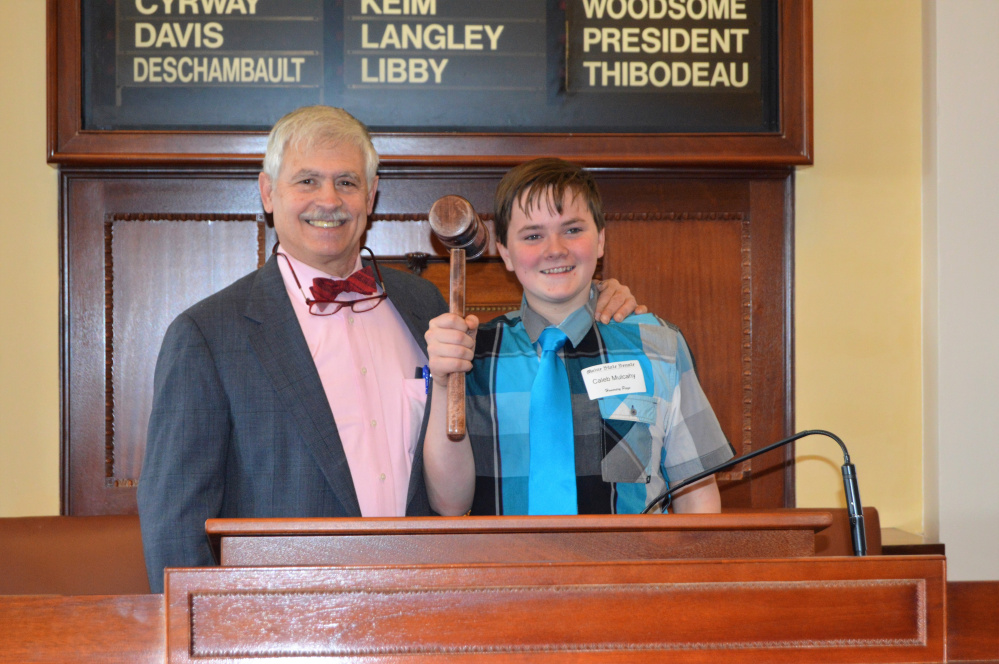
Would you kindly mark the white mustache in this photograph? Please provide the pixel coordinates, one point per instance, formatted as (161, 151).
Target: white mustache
(334, 215)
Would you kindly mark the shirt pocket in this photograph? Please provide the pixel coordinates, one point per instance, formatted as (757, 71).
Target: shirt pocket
(630, 460)
(414, 403)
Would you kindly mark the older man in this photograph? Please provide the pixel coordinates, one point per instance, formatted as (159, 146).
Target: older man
(292, 392)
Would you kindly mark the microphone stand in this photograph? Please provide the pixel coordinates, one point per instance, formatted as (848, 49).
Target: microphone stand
(850, 485)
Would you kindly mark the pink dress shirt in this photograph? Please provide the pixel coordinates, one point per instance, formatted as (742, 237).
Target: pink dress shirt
(367, 363)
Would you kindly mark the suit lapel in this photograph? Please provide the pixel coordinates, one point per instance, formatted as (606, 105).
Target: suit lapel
(284, 354)
(405, 302)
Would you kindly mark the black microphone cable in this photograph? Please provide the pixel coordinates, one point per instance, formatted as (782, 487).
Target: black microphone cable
(850, 485)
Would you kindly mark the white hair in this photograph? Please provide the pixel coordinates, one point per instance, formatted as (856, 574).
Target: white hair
(312, 126)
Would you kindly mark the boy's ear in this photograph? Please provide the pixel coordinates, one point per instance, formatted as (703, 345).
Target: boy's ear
(600, 243)
(505, 255)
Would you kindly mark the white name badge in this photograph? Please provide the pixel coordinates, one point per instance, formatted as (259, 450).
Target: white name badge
(605, 380)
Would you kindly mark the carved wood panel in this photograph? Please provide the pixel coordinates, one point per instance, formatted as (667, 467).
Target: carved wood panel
(876, 609)
(195, 255)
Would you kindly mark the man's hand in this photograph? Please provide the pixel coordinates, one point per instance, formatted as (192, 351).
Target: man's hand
(615, 300)
(450, 345)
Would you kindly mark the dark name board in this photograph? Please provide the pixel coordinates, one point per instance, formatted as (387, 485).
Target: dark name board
(497, 66)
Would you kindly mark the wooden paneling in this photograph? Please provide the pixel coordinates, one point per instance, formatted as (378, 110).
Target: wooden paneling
(873, 609)
(709, 252)
(113, 629)
(973, 621)
(134, 256)
(711, 255)
(194, 256)
(72, 555)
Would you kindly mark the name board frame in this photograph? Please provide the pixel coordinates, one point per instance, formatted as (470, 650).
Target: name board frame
(69, 143)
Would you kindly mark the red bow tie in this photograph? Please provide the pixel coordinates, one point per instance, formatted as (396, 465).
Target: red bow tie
(326, 290)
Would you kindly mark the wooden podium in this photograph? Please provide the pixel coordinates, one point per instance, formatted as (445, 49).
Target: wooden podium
(536, 589)
(688, 588)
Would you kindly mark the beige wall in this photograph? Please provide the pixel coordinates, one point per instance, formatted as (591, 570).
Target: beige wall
(29, 297)
(857, 255)
(961, 310)
(857, 274)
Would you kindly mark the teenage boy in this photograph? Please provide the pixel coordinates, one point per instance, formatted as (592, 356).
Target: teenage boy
(565, 415)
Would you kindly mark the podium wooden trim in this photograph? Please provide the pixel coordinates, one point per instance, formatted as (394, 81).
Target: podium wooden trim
(842, 609)
(533, 539)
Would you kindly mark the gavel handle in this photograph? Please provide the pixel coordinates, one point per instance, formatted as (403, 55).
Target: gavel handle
(456, 381)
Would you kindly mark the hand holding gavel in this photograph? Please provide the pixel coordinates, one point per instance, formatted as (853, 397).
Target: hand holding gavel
(454, 222)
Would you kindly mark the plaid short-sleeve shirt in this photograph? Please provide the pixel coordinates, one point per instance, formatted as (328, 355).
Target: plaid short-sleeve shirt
(628, 447)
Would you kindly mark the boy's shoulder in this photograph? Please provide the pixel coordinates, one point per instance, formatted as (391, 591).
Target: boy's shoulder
(649, 320)
(647, 332)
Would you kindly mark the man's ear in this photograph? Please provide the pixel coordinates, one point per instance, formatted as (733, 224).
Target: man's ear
(505, 255)
(265, 185)
(372, 191)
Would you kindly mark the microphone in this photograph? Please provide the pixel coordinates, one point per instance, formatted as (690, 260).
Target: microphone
(454, 222)
(850, 486)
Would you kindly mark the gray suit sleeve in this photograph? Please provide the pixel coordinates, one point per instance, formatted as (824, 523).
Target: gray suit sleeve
(183, 472)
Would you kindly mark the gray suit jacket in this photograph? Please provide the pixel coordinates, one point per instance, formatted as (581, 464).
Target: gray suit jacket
(240, 425)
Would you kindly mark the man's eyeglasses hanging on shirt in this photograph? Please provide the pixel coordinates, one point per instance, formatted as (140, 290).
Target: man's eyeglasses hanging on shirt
(326, 292)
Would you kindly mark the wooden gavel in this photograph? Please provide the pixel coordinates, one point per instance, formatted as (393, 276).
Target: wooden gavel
(454, 222)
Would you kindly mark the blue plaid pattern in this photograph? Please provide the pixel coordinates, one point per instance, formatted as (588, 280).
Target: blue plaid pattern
(627, 447)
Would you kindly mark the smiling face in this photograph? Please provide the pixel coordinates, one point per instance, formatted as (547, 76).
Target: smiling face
(554, 254)
(320, 200)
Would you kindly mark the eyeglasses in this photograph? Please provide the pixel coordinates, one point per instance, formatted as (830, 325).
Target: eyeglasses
(359, 305)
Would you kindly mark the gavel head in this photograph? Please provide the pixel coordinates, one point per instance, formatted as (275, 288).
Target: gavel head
(453, 220)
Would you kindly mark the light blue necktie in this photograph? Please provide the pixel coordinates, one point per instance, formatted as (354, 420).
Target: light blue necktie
(551, 485)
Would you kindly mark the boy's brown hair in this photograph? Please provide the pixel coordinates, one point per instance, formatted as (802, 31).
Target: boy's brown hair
(545, 181)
